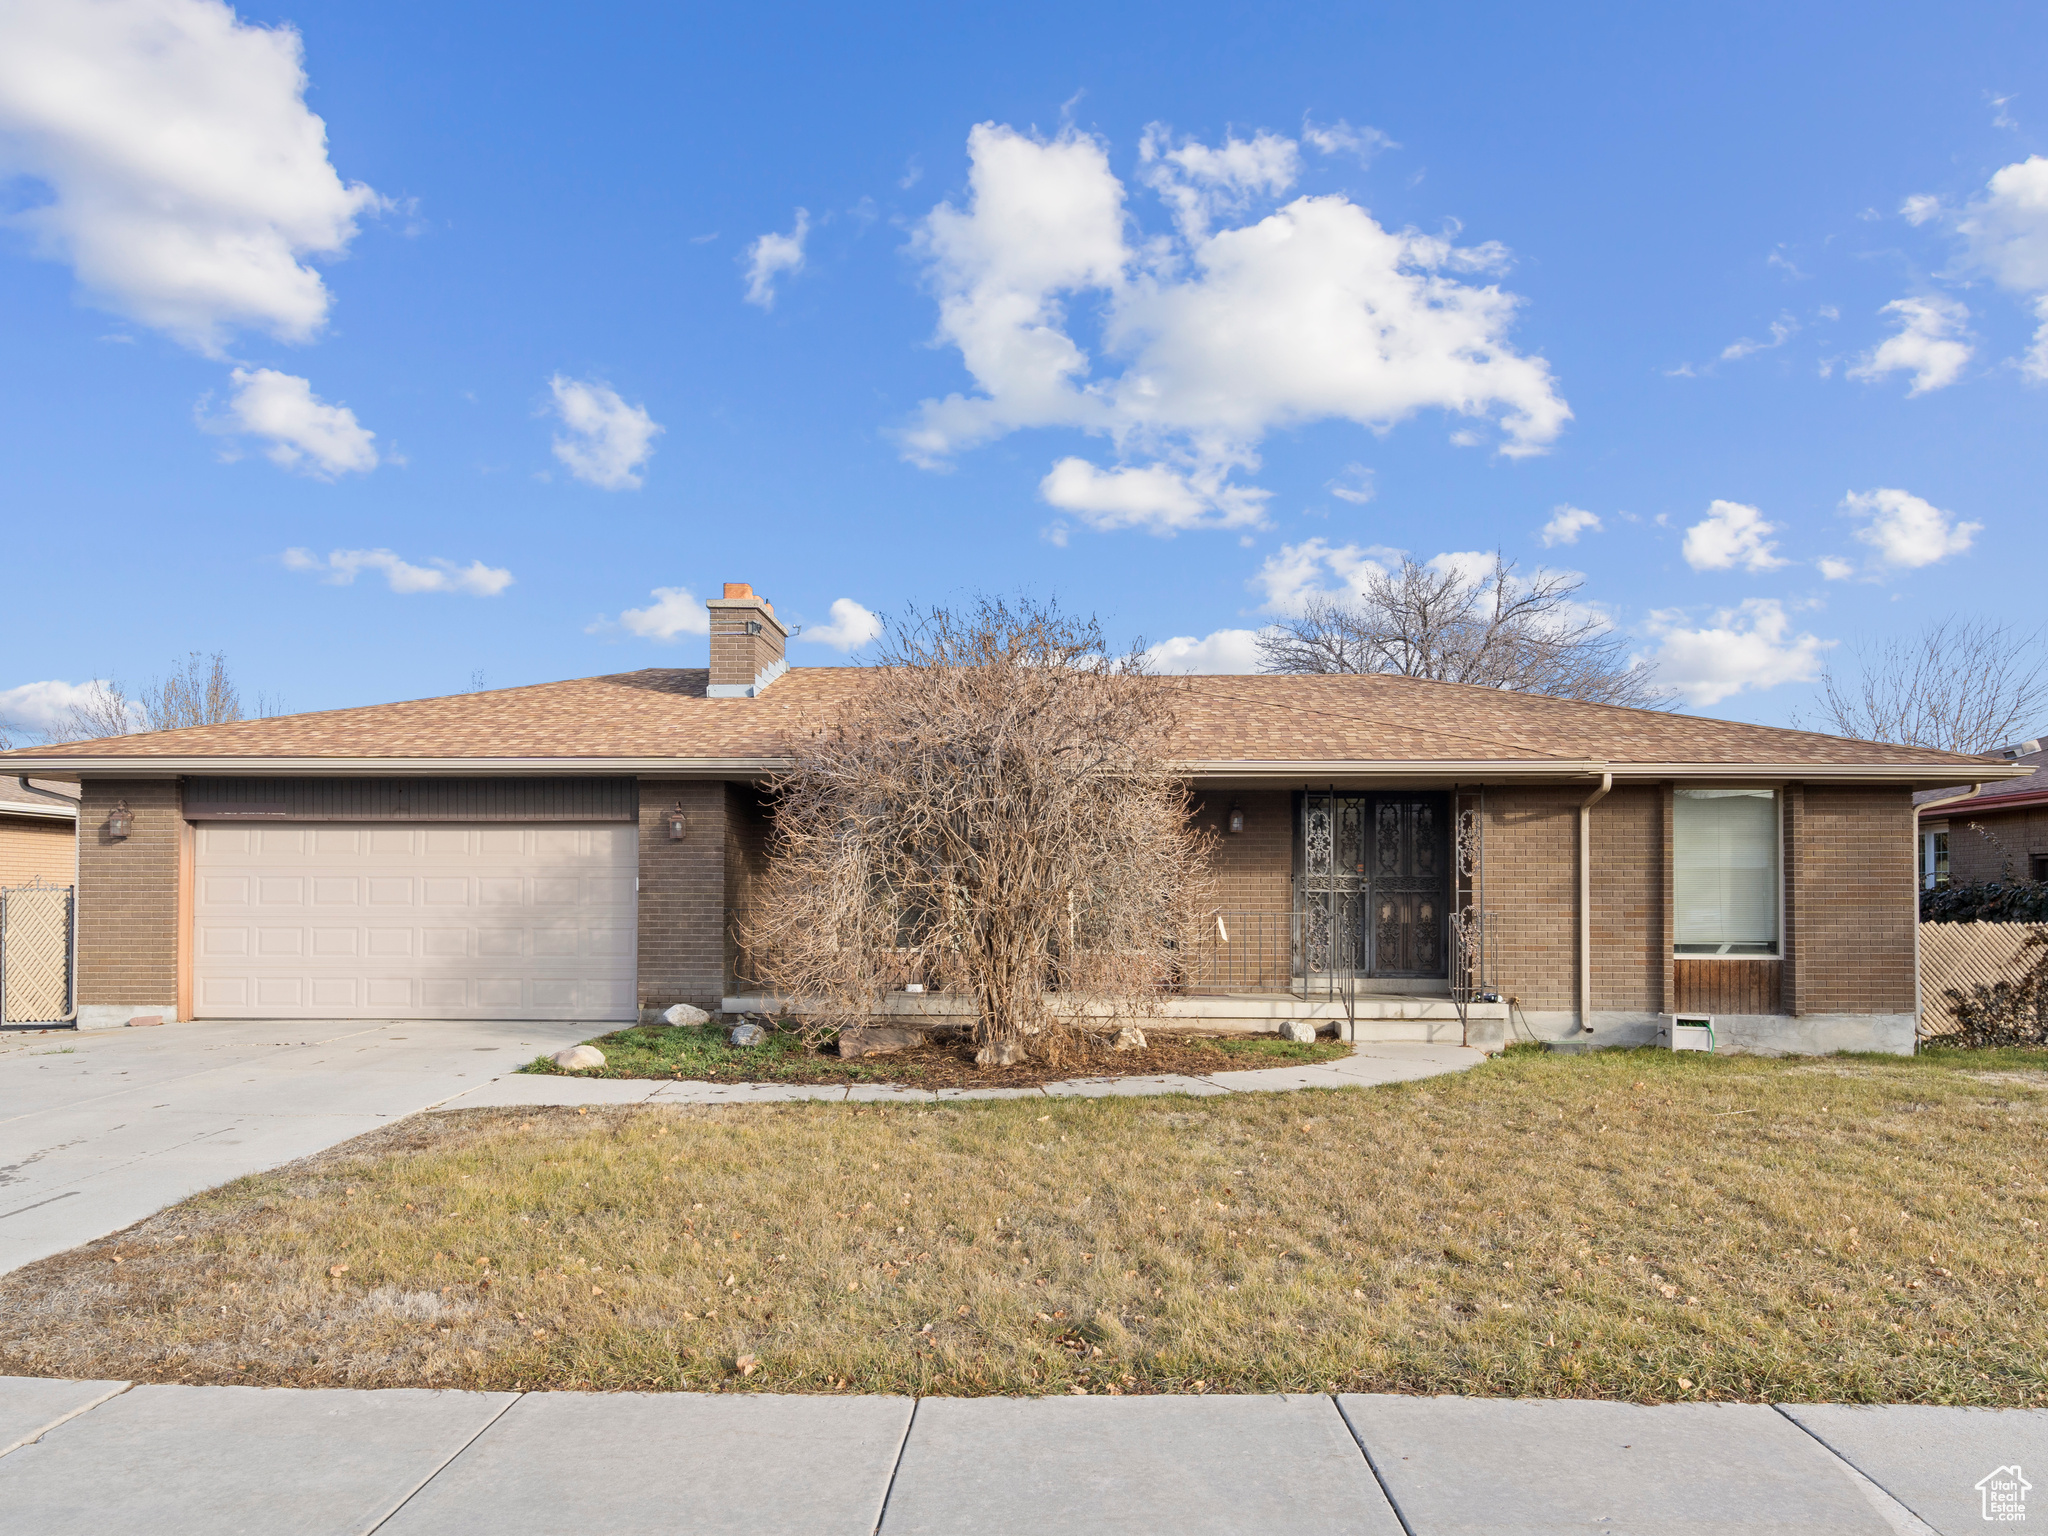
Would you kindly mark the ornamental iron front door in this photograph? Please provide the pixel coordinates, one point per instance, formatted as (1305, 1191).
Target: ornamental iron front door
(1374, 884)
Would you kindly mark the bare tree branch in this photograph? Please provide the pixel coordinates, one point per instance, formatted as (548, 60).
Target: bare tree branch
(199, 692)
(1962, 685)
(1494, 630)
(993, 816)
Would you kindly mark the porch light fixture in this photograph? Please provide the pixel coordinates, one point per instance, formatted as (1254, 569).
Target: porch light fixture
(677, 823)
(1236, 818)
(120, 820)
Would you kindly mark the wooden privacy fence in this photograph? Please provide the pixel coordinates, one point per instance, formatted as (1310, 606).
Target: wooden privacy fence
(1962, 955)
(35, 953)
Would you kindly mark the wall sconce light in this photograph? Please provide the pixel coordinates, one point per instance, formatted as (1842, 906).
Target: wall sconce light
(1236, 818)
(120, 820)
(677, 823)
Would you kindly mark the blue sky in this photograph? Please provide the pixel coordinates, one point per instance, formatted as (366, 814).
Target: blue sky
(1227, 302)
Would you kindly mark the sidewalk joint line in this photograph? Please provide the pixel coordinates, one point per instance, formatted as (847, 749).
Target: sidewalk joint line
(1373, 1467)
(1865, 1482)
(897, 1465)
(66, 1418)
(392, 1513)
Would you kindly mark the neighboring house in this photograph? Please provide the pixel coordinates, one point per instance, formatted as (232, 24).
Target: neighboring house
(38, 831)
(1995, 830)
(578, 850)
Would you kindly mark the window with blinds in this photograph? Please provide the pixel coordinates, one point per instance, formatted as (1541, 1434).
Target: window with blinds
(1725, 866)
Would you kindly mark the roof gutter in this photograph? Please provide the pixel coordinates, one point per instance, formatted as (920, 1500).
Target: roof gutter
(1586, 900)
(45, 802)
(1292, 772)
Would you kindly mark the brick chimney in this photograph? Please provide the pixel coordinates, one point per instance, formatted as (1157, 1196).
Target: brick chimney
(746, 643)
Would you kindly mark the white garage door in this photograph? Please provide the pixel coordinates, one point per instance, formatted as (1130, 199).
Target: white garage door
(490, 921)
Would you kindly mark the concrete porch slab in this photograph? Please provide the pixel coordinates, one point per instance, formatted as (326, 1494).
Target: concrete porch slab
(1931, 1459)
(1193, 1466)
(1496, 1467)
(624, 1463)
(205, 1461)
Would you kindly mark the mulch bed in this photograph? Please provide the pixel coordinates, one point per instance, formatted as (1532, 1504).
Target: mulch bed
(951, 1065)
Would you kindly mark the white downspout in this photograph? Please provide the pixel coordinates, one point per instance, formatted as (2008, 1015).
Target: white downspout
(1586, 900)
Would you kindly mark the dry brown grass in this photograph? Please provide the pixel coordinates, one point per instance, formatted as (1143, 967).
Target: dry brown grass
(1626, 1225)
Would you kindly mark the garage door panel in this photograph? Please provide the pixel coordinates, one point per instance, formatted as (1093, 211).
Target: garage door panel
(455, 921)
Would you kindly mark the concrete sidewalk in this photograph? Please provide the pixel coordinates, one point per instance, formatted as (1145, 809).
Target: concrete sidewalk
(97, 1456)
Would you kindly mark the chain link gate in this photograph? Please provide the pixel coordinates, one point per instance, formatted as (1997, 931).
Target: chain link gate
(38, 946)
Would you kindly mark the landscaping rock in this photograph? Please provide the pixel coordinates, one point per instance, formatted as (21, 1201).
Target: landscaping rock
(1007, 1053)
(877, 1042)
(683, 1013)
(1129, 1038)
(1300, 1031)
(579, 1058)
(748, 1034)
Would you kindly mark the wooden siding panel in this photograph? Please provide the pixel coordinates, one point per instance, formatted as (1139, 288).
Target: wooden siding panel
(1727, 986)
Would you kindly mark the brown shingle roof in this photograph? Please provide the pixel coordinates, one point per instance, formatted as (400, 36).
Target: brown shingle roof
(664, 714)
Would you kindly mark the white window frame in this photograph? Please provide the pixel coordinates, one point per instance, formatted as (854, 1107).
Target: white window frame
(1777, 793)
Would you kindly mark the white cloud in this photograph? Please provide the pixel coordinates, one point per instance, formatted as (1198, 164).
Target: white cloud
(1783, 329)
(1835, 569)
(851, 628)
(1294, 575)
(41, 709)
(1340, 138)
(673, 612)
(304, 432)
(608, 441)
(1313, 312)
(771, 256)
(1732, 534)
(2007, 234)
(1149, 496)
(1920, 208)
(1906, 532)
(186, 180)
(1926, 346)
(1744, 649)
(1223, 650)
(1566, 524)
(1360, 491)
(341, 567)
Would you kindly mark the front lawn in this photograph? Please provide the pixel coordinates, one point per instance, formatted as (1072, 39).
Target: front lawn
(701, 1052)
(1628, 1224)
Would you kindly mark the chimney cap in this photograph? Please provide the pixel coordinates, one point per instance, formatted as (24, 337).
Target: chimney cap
(739, 589)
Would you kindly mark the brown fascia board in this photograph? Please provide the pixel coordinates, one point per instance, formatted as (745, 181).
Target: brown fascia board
(1494, 771)
(71, 770)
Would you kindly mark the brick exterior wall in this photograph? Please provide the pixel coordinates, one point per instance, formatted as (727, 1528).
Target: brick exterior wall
(37, 848)
(2021, 837)
(1253, 870)
(747, 827)
(128, 894)
(1853, 873)
(682, 894)
(1629, 944)
(1531, 879)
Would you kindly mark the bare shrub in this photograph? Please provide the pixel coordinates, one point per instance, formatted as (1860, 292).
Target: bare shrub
(995, 815)
(1456, 626)
(2003, 1013)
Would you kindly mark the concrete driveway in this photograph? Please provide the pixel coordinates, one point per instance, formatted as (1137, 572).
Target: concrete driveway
(100, 1130)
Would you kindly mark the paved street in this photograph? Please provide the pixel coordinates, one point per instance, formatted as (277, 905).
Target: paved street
(101, 1129)
(97, 1456)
